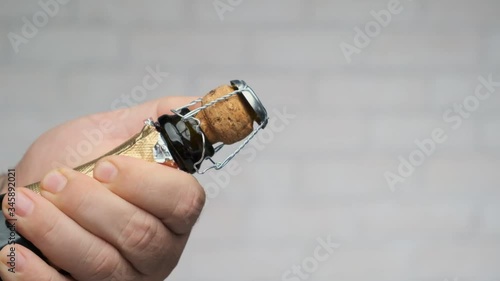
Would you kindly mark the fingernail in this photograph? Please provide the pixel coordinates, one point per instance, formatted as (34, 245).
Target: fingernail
(24, 206)
(20, 261)
(105, 171)
(54, 182)
(14, 261)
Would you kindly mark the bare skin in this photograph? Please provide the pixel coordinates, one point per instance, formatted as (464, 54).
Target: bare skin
(130, 221)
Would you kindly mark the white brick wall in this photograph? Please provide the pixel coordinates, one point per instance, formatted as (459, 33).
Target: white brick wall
(130, 12)
(490, 133)
(492, 46)
(252, 12)
(357, 12)
(430, 47)
(299, 48)
(187, 47)
(361, 92)
(13, 11)
(464, 172)
(463, 11)
(74, 44)
(323, 173)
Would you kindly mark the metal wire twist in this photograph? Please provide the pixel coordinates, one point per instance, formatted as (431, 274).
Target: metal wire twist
(189, 115)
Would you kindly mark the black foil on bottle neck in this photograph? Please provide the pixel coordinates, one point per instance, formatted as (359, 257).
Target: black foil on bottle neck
(184, 142)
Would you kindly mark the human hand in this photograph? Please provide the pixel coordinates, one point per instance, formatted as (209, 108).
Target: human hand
(130, 221)
(87, 138)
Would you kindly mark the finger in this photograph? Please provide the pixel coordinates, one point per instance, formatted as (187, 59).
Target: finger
(19, 263)
(173, 196)
(65, 243)
(104, 130)
(140, 237)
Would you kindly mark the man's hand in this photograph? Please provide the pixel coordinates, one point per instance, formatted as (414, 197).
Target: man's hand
(130, 221)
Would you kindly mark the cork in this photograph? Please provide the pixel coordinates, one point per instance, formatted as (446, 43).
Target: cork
(228, 121)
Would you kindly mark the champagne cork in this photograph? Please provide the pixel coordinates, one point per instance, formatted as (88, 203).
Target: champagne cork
(227, 121)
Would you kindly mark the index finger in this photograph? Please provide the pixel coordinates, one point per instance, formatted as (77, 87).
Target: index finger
(173, 196)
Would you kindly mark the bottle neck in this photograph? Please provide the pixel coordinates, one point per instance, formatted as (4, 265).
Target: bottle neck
(185, 141)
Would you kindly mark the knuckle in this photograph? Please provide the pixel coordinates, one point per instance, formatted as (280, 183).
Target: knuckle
(50, 230)
(106, 262)
(191, 204)
(140, 232)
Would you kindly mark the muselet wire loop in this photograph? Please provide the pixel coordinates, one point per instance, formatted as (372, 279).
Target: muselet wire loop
(249, 95)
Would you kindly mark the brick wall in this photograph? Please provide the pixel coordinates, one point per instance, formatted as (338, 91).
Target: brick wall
(320, 173)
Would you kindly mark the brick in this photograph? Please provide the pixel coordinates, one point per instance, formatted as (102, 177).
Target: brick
(127, 12)
(15, 10)
(4, 45)
(300, 48)
(468, 172)
(239, 263)
(403, 130)
(360, 92)
(463, 138)
(16, 139)
(187, 47)
(471, 260)
(285, 219)
(379, 261)
(342, 133)
(351, 176)
(261, 223)
(356, 223)
(490, 133)
(388, 221)
(229, 224)
(359, 11)
(18, 84)
(451, 88)
(25, 107)
(489, 223)
(493, 45)
(248, 11)
(70, 44)
(274, 178)
(463, 12)
(420, 48)
(88, 85)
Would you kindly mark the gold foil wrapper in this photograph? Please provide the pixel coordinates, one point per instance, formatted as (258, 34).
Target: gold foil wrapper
(139, 146)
